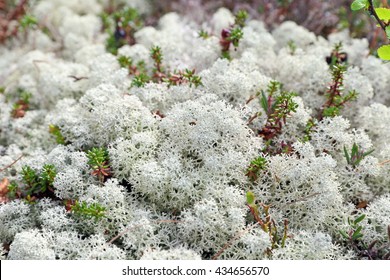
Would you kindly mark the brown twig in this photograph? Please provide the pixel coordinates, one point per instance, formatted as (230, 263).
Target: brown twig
(384, 162)
(251, 119)
(76, 79)
(231, 241)
(372, 11)
(141, 225)
(15, 161)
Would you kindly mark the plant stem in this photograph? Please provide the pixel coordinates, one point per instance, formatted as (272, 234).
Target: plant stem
(231, 241)
(8, 166)
(372, 11)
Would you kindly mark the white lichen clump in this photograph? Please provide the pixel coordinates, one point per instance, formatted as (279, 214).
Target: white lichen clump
(180, 157)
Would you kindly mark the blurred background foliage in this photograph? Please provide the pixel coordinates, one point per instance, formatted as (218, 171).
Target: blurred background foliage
(319, 16)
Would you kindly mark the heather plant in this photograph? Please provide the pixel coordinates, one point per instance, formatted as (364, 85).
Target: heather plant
(98, 160)
(126, 22)
(233, 34)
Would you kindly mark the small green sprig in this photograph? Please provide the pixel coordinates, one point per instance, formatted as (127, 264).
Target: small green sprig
(47, 176)
(93, 210)
(203, 34)
(233, 34)
(371, 251)
(309, 128)
(139, 71)
(38, 184)
(336, 100)
(356, 156)
(30, 178)
(127, 21)
(125, 61)
(22, 105)
(56, 132)
(157, 56)
(267, 223)
(192, 78)
(355, 233)
(186, 76)
(240, 18)
(255, 167)
(28, 21)
(278, 105)
(13, 190)
(292, 46)
(98, 160)
(140, 80)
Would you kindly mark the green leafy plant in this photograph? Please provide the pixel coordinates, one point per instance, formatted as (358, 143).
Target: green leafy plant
(46, 178)
(140, 80)
(22, 105)
(278, 105)
(255, 167)
(356, 156)
(125, 61)
(160, 75)
(158, 71)
(37, 184)
(56, 132)
(292, 46)
(203, 34)
(335, 98)
(98, 160)
(382, 17)
(310, 125)
(28, 21)
(354, 237)
(13, 191)
(181, 77)
(138, 70)
(355, 233)
(126, 22)
(233, 34)
(30, 178)
(262, 216)
(93, 210)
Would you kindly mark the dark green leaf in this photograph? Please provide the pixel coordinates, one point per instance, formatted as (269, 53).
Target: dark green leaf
(356, 235)
(264, 102)
(355, 150)
(347, 155)
(344, 234)
(359, 219)
(367, 153)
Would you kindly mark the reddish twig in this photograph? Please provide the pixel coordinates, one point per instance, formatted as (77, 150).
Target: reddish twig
(8, 166)
(231, 241)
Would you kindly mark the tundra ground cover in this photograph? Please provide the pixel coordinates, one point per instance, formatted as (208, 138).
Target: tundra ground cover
(219, 140)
